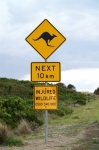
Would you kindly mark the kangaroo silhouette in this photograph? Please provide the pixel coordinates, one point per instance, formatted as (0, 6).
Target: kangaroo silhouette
(46, 37)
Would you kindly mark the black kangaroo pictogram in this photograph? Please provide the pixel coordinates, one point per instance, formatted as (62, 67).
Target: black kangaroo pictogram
(46, 37)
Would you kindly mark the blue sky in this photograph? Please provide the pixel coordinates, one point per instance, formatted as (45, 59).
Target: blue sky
(77, 20)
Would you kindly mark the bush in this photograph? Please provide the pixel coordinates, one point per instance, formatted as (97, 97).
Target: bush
(13, 141)
(13, 109)
(63, 111)
(75, 97)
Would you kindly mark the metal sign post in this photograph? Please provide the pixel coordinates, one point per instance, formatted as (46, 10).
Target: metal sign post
(46, 119)
(46, 126)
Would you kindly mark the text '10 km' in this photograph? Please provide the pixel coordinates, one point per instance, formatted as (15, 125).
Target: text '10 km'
(42, 75)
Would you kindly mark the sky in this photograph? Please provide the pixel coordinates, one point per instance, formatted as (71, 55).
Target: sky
(77, 20)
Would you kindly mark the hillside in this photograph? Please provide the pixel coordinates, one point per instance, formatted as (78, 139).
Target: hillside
(16, 101)
(16, 107)
(76, 131)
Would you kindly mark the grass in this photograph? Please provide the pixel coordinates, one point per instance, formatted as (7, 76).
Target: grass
(79, 119)
(7, 137)
(69, 125)
(23, 128)
(3, 133)
(89, 112)
(91, 138)
(86, 113)
(83, 118)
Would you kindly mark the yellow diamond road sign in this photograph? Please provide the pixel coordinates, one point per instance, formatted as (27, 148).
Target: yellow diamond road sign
(45, 39)
(45, 97)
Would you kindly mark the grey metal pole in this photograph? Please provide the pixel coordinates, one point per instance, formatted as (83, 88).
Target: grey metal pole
(46, 126)
(46, 120)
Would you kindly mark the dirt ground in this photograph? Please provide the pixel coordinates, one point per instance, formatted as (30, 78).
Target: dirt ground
(59, 138)
(83, 136)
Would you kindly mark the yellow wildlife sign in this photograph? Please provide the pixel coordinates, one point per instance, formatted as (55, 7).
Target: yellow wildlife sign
(45, 97)
(45, 39)
(45, 71)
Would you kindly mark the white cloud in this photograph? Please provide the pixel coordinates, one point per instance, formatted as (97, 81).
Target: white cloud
(80, 25)
(88, 27)
(82, 79)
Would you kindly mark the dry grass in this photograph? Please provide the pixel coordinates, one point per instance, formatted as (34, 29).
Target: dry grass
(4, 133)
(23, 128)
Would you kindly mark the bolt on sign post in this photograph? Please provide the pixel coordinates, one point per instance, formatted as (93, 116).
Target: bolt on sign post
(45, 71)
(45, 39)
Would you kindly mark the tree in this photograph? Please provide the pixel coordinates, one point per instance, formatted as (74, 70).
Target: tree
(96, 91)
(61, 85)
(71, 87)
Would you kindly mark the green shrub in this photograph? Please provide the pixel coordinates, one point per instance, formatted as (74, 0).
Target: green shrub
(63, 111)
(13, 141)
(76, 97)
(13, 109)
